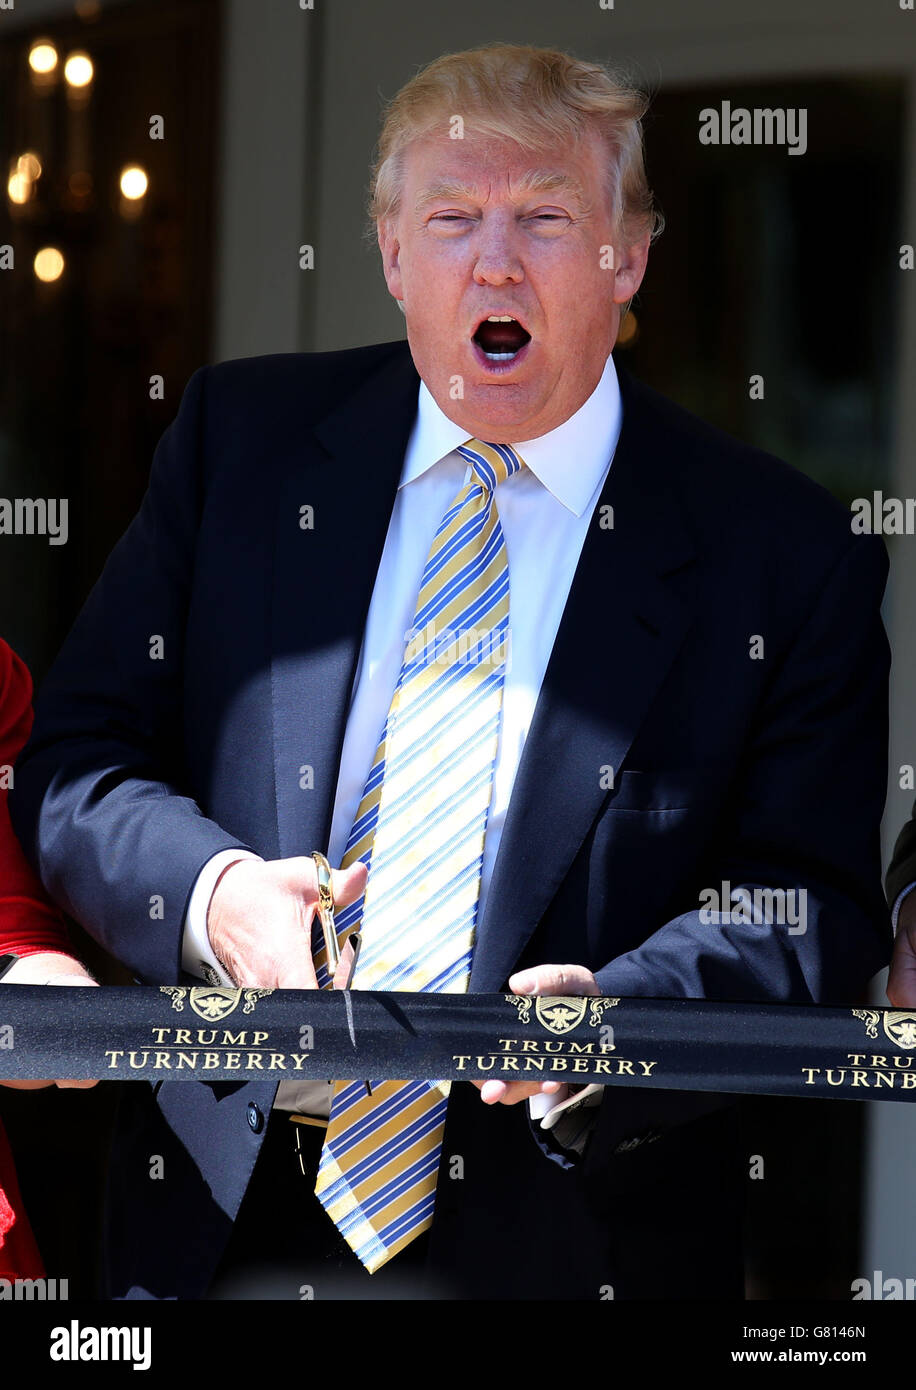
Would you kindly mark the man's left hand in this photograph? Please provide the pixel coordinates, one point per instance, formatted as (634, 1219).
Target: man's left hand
(542, 979)
(901, 982)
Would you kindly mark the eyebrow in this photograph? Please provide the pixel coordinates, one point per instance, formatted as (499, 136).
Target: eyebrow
(536, 181)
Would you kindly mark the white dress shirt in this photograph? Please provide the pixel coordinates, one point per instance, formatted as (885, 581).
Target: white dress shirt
(895, 913)
(545, 513)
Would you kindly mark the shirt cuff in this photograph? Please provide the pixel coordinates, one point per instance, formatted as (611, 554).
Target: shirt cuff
(197, 955)
(571, 1113)
(899, 903)
(540, 1105)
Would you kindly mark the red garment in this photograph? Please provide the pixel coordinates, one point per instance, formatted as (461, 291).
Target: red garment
(19, 1257)
(29, 923)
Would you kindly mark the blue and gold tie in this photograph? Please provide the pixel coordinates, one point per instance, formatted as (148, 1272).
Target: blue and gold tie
(420, 827)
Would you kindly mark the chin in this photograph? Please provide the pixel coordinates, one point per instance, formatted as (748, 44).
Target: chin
(509, 404)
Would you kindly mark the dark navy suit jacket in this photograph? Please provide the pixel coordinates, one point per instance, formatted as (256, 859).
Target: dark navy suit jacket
(731, 762)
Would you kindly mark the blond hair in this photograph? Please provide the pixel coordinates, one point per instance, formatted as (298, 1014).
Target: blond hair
(535, 97)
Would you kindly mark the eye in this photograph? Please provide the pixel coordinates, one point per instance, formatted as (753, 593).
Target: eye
(549, 218)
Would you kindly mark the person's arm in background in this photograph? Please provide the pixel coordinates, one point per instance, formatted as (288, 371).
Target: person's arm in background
(30, 925)
(32, 929)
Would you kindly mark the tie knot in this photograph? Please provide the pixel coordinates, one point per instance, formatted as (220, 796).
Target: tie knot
(492, 464)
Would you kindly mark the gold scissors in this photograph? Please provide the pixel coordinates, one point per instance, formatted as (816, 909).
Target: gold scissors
(341, 963)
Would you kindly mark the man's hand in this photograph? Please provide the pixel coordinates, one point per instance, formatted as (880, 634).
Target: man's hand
(260, 919)
(542, 979)
(901, 982)
(48, 968)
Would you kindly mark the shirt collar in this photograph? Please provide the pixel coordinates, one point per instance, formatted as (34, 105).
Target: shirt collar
(570, 461)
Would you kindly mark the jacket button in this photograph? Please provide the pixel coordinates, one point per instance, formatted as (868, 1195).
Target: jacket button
(255, 1118)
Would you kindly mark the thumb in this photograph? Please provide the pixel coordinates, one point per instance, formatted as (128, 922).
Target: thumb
(348, 884)
(554, 979)
(300, 874)
(901, 982)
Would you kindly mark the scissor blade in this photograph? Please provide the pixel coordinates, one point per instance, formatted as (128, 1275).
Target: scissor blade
(343, 978)
(348, 1005)
(346, 965)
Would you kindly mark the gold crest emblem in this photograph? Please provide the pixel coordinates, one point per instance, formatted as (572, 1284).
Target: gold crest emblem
(899, 1024)
(213, 1002)
(900, 1027)
(559, 1013)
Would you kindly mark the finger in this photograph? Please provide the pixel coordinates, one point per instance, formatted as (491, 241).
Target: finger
(347, 963)
(511, 1092)
(901, 981)
(43, 1085)
(554, 979)
(298, 974)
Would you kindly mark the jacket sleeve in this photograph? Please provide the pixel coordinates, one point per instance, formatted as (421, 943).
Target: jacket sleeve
(804, 819)
(902, 871)
(97, 802)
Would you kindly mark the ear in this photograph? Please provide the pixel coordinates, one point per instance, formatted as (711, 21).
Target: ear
(390, 248)
(631, 267)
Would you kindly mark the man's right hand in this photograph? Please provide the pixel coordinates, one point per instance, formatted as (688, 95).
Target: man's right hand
(260, 919)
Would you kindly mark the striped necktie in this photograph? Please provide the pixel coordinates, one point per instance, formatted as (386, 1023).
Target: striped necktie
(420, 827)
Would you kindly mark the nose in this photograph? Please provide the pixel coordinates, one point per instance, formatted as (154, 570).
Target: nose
(498, 261)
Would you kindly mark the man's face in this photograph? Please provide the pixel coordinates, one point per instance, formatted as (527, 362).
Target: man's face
(488, 231)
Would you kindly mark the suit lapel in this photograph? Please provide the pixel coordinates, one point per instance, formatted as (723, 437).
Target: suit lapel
(626, 616)
(347, 470)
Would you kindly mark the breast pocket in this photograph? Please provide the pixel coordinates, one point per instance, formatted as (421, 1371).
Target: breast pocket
(670, 789)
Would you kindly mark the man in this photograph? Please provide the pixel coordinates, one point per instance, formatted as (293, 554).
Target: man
(690, 693)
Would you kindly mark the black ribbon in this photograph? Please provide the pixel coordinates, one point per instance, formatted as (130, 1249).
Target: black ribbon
(204, 1033)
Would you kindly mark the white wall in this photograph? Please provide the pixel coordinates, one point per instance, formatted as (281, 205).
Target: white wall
(268, 149)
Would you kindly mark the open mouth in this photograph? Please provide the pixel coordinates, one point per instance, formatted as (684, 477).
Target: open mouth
(500, 338)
